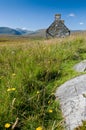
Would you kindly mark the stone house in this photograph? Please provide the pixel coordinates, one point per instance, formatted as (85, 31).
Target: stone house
(57, 28)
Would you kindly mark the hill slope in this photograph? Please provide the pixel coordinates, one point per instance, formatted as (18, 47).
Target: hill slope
(24, 31)
(7, 30)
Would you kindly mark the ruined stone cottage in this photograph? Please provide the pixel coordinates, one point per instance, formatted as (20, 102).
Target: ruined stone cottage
(57, 28)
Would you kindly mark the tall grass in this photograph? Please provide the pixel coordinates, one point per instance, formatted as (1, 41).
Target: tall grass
(30, 72)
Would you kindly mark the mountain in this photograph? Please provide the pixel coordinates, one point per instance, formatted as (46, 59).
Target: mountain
(40, 33)
(9, 31)
(17, 31)
(24, 31)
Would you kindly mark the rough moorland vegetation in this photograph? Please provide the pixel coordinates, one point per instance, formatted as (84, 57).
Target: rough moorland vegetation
(30, 72)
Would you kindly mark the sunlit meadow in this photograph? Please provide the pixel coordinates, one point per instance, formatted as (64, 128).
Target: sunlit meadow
(31, 69)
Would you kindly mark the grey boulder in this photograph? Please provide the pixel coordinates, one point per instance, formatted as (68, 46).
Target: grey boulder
(72, 96)
(80, 67)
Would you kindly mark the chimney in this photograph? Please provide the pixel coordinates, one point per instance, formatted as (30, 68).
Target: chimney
(57, 16)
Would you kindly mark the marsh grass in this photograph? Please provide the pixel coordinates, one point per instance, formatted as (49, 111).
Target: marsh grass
(30, 72)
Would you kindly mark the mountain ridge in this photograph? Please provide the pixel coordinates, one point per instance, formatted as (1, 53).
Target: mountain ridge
(9, 31)
(26, 32)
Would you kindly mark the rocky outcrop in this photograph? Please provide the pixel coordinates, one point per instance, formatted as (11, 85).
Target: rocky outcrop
(72, 96)
(80, 67)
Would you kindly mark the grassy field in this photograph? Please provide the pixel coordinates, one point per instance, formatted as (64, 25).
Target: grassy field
(31, 69)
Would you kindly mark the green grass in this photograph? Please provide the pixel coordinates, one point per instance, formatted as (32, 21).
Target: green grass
(30, 72)
(83, 127)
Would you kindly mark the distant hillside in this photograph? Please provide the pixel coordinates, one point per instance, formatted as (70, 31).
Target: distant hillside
(40, 33)
(24, 31)
(9, 31)
(37, 33)
(74, 31)
(17, 31)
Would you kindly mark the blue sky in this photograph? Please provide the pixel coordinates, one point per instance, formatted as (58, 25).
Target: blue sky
(38, 14)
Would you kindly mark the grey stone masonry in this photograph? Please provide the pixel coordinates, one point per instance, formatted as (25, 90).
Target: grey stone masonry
(57, 28)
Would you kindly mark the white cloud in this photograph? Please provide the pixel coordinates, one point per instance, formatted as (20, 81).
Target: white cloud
(71, 15)
(81, 23)
(23, 28)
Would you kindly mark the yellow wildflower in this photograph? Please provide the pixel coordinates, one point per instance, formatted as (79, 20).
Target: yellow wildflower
(7, 125)
(8, 89)
(49, 102)
(11, 89)
(38, 92)
(52, 94)
(13, 74)
(39, 128)
(50, 111)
